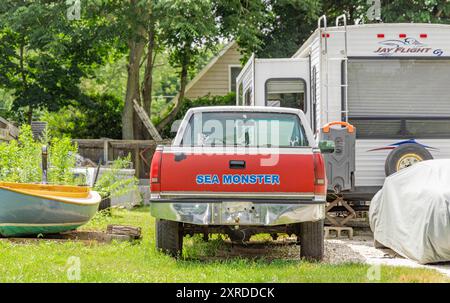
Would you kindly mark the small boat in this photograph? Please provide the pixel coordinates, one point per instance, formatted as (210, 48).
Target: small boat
(33, 209)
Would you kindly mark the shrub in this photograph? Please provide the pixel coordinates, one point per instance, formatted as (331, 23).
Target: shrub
(21, 160)
(111, 183)
(61, 161)
(229, 99)
(99, 117)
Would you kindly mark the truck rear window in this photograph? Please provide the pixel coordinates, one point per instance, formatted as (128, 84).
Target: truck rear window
(244, 129)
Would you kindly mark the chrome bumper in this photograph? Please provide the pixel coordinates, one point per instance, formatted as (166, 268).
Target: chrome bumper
(254, 213)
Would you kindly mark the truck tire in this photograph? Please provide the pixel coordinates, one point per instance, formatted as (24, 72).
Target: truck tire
(404, 156)
(169, 237)
(312, 240)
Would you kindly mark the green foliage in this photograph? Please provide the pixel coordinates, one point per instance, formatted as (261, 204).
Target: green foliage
(43, 55)
(295, 20)
(293, 23)
(29, 157)
(247, 22)
(112, 183)
(100, 117)
(229, 99)
(21, 160)
(62, 160)
(429, 11)
(188, 29)
(9, 161)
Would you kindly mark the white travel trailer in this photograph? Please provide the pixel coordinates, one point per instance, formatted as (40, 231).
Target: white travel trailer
(391, 81)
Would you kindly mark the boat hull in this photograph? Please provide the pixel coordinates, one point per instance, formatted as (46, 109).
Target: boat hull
(29, 214)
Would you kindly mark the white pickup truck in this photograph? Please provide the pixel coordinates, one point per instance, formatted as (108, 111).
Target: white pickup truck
(240, 171)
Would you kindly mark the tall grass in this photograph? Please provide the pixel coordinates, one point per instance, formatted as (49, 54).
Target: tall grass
(21, 160)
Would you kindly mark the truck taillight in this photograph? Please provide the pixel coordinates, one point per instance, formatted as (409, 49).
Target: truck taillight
(155, 171)
(320, 179)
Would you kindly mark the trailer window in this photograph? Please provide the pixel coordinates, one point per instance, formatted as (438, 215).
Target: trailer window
(246, 129)
(286, 93)
(399, 98)
(398, 87)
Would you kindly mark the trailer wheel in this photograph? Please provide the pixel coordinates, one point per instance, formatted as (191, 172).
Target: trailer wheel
(404, 156)
(312, 240)
(169, 237)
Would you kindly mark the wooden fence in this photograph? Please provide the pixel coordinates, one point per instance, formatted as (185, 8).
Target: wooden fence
(141, 152)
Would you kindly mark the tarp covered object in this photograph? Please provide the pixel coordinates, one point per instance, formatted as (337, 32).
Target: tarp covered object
(411, 213)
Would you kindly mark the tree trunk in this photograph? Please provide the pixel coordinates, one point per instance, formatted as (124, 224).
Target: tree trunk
(24, 79)
(30, 115)
(179, 102)
(130, 122)
(147, 84)
(132, 93)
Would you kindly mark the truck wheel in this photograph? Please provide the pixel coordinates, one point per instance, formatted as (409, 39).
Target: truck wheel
(169, 237)
(404, 156)
(312, 240)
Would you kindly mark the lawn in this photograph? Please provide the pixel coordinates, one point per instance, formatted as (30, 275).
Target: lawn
(49, 261)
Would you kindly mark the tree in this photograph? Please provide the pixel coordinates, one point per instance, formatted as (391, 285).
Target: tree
(140, 18)
(100, 118)
(432, 11)
(43, 55)
(295, 20)
(293, 23)
(190, 28)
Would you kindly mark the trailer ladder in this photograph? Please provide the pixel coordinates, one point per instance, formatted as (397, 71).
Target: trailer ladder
(344, 85)
(146, 121)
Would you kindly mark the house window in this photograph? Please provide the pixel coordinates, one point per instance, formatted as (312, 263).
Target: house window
(234, 72)
(286, 93)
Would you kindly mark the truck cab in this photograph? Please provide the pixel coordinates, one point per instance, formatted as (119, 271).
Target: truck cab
(240, 171)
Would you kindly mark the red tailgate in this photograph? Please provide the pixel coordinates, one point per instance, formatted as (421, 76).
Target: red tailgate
(292, 172)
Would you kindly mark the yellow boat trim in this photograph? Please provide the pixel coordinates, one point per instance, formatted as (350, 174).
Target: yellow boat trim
(55, 190)
(78, 195)
(44, 224)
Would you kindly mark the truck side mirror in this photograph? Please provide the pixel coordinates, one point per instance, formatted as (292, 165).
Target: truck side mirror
(326, 146)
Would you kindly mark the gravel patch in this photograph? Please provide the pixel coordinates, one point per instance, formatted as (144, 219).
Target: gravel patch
(338, 252)
(362, 247)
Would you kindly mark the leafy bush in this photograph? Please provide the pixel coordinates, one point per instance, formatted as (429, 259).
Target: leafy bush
(21, 160)
(112, 183)
(100, 117)
(62, 160)
(229, 99)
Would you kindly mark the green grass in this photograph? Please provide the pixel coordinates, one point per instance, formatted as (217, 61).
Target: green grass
(47, 261)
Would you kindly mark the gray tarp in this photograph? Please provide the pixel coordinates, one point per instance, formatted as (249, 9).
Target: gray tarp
(411, 214)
